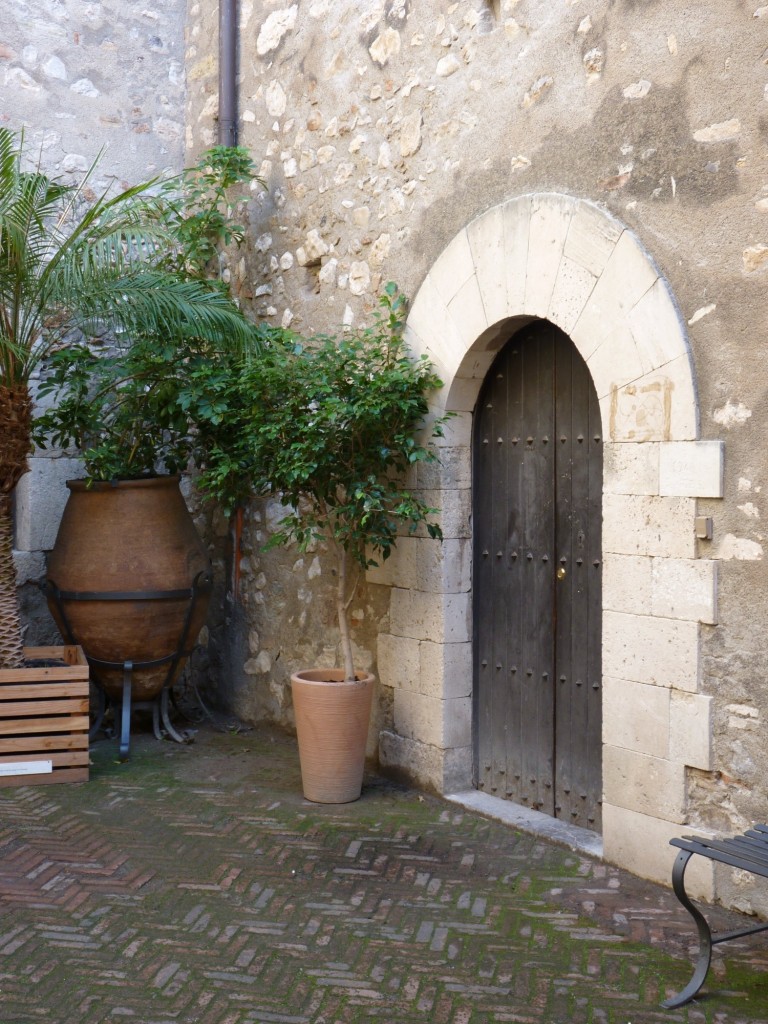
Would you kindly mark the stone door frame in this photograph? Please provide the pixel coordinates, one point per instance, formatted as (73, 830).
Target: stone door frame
(567, 260)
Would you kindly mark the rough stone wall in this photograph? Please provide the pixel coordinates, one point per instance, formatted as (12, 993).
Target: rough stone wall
(80, 78)
(384, 128)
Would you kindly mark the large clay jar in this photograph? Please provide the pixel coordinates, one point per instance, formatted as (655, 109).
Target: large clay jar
(332, 728)
(121, 577)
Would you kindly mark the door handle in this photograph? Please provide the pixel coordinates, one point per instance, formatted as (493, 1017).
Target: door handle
(561, 573)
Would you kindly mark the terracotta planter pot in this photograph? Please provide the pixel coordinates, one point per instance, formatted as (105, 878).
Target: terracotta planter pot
(125, 561)
(332, 725)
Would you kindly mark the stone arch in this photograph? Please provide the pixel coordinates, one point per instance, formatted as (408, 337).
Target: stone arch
(568, 261)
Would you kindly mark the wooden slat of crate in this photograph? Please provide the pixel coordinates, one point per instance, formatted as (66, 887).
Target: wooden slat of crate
(44, 717)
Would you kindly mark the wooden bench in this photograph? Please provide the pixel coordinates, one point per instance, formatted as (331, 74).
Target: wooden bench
(748, 852)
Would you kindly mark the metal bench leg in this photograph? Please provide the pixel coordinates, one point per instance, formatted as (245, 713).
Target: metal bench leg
(705, 935)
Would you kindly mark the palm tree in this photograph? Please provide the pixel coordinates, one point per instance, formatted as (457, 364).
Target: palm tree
(69, 266)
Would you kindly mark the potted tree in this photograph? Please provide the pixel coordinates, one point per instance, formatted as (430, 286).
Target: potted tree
(71, 271)
(331, 425)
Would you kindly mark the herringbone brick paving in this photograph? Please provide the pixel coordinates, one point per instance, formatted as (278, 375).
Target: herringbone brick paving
(194, 885)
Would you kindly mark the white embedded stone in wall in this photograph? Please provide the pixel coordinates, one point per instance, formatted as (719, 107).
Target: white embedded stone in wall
(385, 46)
(636, 716)
(645, 784)
(690, 730)
(646, 649)
(646, 525)
(685, 589)
(691, 468)
(274, 28)
(630, 468)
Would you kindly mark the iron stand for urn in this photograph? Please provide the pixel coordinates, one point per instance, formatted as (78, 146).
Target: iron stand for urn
(159, 705)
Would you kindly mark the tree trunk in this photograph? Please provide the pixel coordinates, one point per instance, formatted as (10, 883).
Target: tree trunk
(342, 605)
(11, 644)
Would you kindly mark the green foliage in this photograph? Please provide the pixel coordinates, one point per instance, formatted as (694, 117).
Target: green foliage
(332, 426)
(120, 405)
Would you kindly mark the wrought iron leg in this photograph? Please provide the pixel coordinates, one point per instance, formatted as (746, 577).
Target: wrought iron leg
(173, 732)
(705, 935)
(125, 731)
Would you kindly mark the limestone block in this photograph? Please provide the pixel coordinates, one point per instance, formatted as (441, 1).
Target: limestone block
(690, 730)
(462, 393)
(572, 288)
(630, 468)
(486, 241)
(453, 471)
(636, 716)
(441, 618)
(446, 670)
(660, 406)
(592, 237)
(638, 524)
(658, 327)
(453, 267)
(457, 429)
(455, 515)
(40, 498)
(445, 771)
(627, 583)
(426, 564)
(648, 785)
(430, 320)
(640, 844)
(661, 652)
(397, 659)
(627, 276)
(468, 312)
(517, 227)
(691, 468)
(614, 362)
(550, 220)
(684, 589)
(441, 723)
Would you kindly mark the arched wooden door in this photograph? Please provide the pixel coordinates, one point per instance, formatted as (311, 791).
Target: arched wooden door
(537, 470)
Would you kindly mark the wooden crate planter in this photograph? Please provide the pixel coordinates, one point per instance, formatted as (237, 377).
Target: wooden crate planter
(44, 718)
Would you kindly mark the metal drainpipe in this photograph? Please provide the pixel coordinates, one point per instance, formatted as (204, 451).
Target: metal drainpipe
(227, 72)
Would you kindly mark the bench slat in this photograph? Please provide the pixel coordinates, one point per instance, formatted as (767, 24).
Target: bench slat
(748, 856)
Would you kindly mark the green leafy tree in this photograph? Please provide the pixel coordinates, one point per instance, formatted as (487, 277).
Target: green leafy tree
(66, 266)
(332, 426)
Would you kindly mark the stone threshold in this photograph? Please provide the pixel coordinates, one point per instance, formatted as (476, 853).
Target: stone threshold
(581, 840)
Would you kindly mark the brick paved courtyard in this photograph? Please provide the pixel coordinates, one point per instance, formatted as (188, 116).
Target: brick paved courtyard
(195, 884)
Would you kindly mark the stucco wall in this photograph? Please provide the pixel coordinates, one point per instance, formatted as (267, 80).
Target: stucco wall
(82, 79)
(383, 130)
